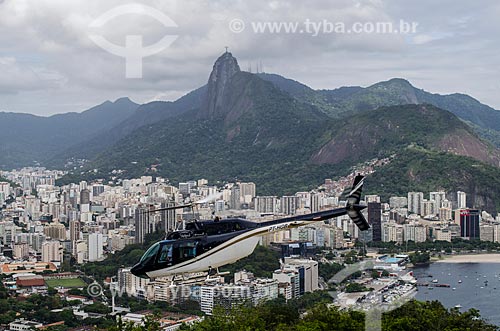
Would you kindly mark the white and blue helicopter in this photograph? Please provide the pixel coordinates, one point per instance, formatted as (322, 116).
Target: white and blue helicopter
(207, 245)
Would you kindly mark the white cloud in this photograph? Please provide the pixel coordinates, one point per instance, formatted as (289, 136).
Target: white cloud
(52, 58)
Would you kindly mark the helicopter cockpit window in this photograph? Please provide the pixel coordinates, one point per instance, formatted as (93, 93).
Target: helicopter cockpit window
(150, 254)
(186, 251)
(166, 253)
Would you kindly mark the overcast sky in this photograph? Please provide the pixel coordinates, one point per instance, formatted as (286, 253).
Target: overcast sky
(49, 64)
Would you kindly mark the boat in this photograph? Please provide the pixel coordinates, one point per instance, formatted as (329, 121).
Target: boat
(460, 281)
(458, 306)
(434, 280)
(454, 288)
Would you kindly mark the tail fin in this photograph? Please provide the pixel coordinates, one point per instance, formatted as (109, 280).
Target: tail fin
(353, 207)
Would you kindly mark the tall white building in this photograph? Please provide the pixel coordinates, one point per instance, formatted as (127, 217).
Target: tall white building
(315, 204)
(288, 205)
(52, 251)
(81, 251)
(289, 283)
(226, 296)
(445, 214)
(414, 232)
(487, 232)
(392, 232)
(264, 289)
(461, 200)
(168, 217)
(334, 236)
(247, 192)
(438, 198)
(144, 224)
(95, 247)
(220, 206)
(428, 208)
(308, 269)
(415, 201)
(5, 189)
(132, 285)
(496, 233)
(21, 251)
(266, 204)
(235, 201)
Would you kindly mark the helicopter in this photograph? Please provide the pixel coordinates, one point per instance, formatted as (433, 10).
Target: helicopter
(207, 245)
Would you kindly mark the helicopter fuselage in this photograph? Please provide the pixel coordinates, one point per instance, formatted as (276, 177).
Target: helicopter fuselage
(212, 244)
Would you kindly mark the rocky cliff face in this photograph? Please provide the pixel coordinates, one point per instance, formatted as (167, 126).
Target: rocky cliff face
(218, 85)
(388, 129)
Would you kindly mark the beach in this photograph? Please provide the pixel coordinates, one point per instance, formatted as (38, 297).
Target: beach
(470, 258)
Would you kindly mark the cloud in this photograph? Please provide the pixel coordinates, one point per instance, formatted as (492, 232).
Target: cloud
(49, 56)
(18, 76)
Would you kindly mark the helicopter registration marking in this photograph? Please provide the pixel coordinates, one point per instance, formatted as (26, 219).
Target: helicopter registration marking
(279, 227)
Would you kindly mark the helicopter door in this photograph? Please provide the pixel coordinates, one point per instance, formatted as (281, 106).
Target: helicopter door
(184, 251)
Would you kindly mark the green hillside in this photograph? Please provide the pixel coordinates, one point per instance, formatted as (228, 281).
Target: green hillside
(383, 131)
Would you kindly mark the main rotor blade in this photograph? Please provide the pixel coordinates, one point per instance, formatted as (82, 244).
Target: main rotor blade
(169, 208)
(199, 202)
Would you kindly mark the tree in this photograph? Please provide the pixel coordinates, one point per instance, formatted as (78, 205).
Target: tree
(355, 287)
(98, 308)
(420, 258)
(328, 270)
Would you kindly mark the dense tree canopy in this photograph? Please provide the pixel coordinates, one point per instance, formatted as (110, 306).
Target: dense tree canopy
(418, 316)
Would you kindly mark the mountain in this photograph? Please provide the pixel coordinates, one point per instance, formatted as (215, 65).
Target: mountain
(144, 115)
(25, 139)
(345, 101)
(483, 119)
(244, 127)
(219, 89)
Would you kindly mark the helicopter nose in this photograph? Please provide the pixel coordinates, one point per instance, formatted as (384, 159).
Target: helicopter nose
(138, 270)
